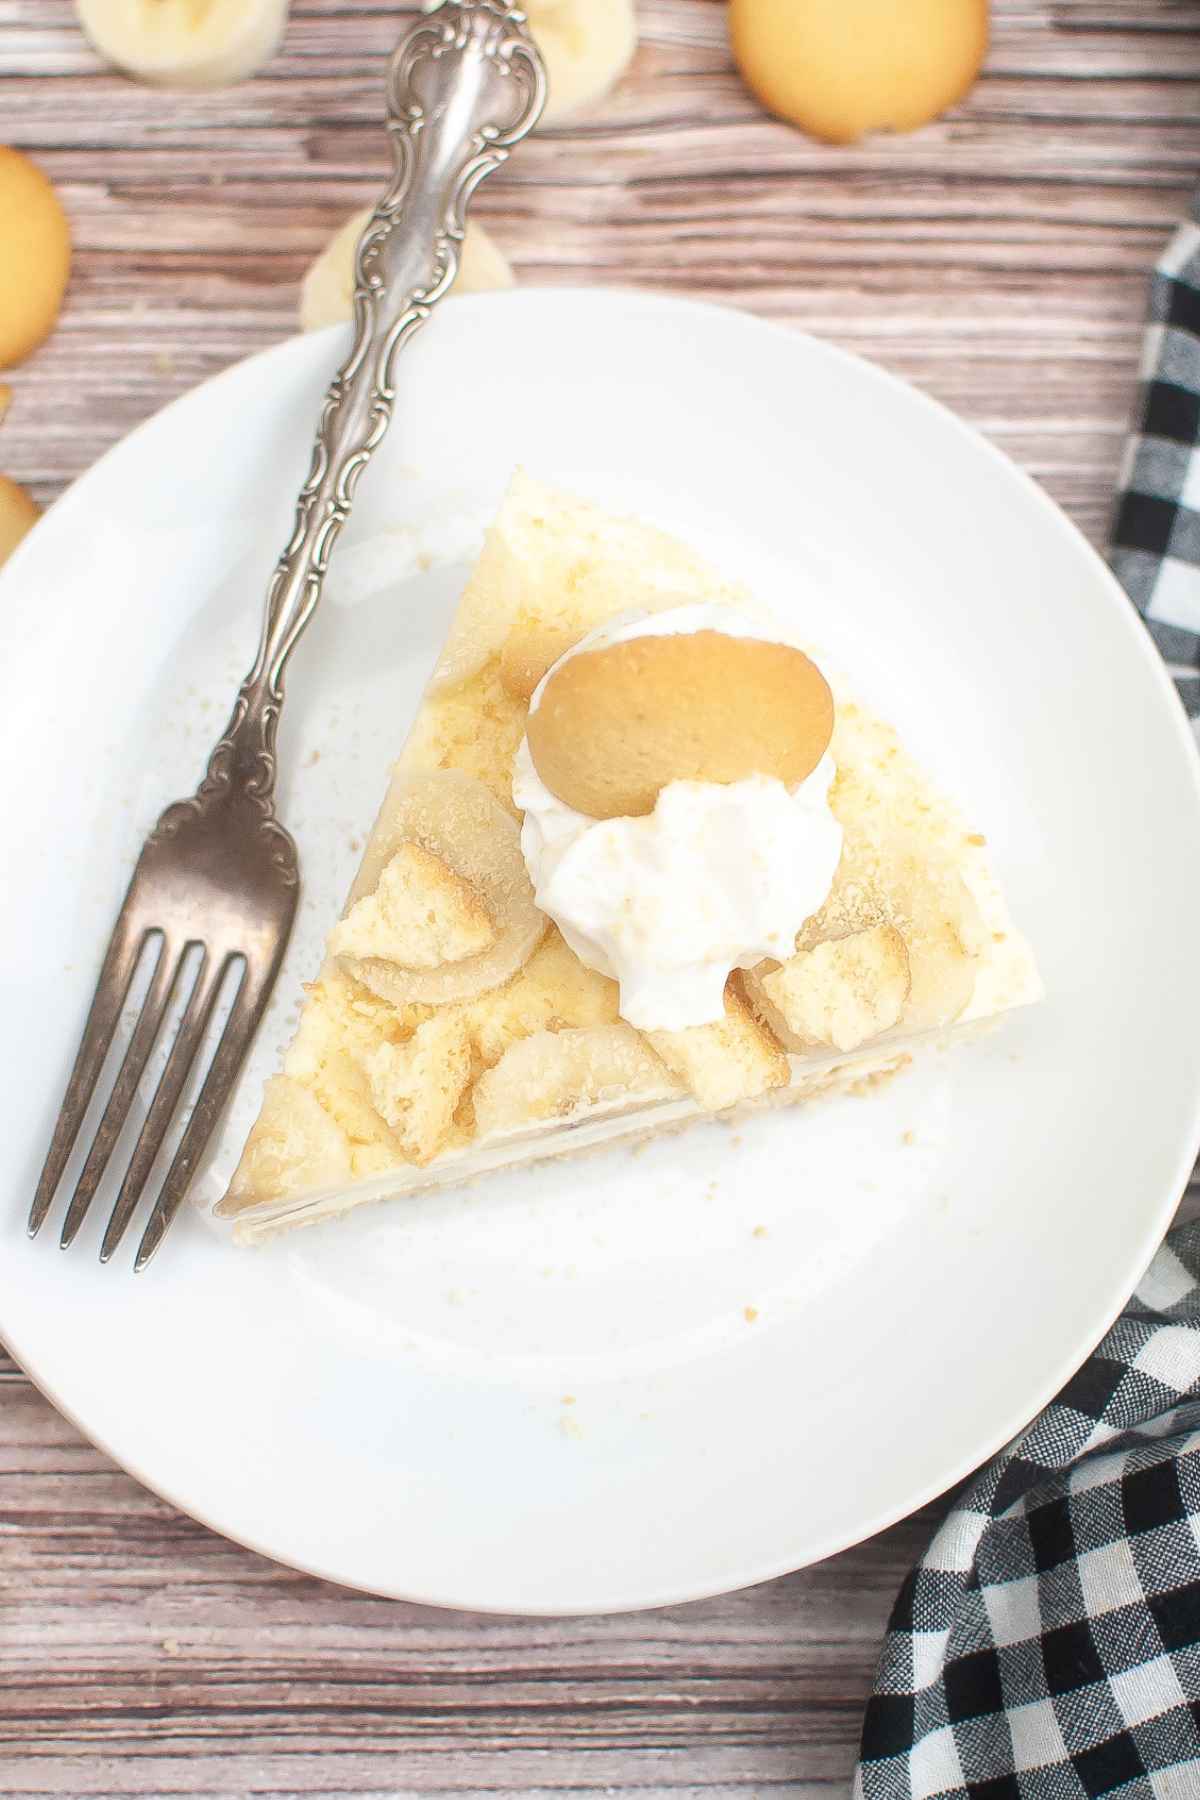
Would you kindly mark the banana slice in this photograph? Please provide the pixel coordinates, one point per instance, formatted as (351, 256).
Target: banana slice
(942, 927)
(587, 46)
(294, 1145)
(184, 43)
(556, 1074)
(881, 882)
(465, 828)
(421, 915)
(17, 513)
(327, 292)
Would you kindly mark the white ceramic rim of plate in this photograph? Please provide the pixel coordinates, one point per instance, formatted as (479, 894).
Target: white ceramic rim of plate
(750, 1572)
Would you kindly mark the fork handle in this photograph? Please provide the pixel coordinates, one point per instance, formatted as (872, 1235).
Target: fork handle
(464, 86)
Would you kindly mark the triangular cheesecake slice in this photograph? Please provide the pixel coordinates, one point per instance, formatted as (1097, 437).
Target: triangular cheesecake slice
(452, 1030)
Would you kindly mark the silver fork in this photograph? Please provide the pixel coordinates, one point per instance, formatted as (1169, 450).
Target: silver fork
(219, 871)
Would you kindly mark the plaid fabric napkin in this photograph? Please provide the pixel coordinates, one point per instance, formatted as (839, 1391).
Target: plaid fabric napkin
(1156, 532)
(1047, 1647)
(1048, 1644)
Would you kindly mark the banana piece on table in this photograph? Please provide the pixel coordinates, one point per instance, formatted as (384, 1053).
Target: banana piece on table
(327, 291)
(184, 43)
(587, 46)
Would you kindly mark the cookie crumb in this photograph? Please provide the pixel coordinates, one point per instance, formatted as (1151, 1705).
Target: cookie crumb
(568, 1400)
(750, 1314)
(908, 1137)
(977, 838)
(760, 1231)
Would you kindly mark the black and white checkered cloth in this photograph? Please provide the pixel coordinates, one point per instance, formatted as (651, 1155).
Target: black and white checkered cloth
(1156, 532)
(1047, 1647)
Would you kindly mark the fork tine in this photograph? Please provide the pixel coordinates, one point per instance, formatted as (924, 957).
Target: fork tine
(116, 973)
(162, 1107)
(242, 1023)
(166, 975)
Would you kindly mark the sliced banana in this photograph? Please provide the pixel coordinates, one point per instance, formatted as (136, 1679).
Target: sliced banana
(327, 291)
(184, 43)
(465, 828)
(421, 915)
(923, 895)
(587, 46)
(17, 513)
(294, 1146)
(556, 1074)
(943, 930)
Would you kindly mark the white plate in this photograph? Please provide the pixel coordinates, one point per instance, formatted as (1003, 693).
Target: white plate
(384, 1401)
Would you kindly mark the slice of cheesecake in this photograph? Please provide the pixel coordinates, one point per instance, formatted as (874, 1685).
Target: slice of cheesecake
(452, 1030)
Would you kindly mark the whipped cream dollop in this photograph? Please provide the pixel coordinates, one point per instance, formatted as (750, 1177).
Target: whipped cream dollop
(717, 877)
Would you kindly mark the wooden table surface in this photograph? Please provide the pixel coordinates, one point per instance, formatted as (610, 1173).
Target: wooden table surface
(998, 259)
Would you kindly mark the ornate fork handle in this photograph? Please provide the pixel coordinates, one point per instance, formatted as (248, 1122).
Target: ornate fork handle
(463, 87)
